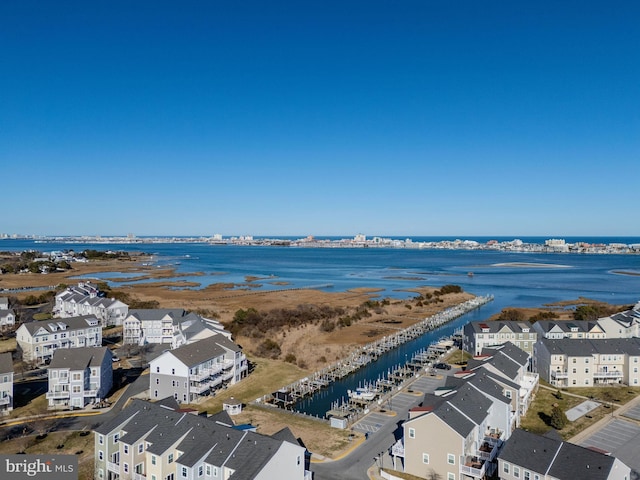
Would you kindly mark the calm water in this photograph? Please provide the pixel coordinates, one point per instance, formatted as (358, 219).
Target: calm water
(394, 271)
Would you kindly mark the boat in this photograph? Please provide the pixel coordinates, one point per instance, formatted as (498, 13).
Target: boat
(362, 394)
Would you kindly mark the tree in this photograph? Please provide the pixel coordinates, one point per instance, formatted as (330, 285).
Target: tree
(558, 418)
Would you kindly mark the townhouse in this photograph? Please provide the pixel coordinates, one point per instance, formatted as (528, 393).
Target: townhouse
(457, 432)
(572, 329)
(6, 383)
(174, 327)
(527, 456)
(583, 363)
(7, 315)
(193, 371)
(479, 335)
(86, 299)
(38, 340)
(156, 441)
(78, 377)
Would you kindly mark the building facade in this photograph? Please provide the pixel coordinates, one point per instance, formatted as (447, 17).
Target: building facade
(79, 377)
(38, 340)
(6, 383)
(86, 299)
(480, 335)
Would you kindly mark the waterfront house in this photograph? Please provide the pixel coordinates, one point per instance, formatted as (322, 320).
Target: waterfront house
(156, 441)
(6, 383)
(86, 299)
(527, 456)
(479, 335)
(573, 329)
(584, 363)
(38, 340)
(195, 370)
(171, 326)
(7, 315)
(78, 377)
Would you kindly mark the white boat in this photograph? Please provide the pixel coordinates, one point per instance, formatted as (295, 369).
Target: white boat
(362, 394)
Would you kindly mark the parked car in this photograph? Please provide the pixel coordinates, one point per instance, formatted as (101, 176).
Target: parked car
(442, 366)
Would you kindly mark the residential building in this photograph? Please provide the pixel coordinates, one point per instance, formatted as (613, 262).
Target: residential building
(171, 326)
(583, 363)
(527, 456)
(458, 432)
(79, 377)
(6, 383)
(479, 335)
(156, 441)
(7, 315)
(38, 340)
(573, 329)
(622, 325)
(193, 371)
(86, 299)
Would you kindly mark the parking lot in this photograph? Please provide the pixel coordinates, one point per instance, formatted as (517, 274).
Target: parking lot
(621, 438)
(633, 413)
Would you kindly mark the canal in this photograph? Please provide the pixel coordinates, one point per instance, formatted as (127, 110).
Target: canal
(321, 402)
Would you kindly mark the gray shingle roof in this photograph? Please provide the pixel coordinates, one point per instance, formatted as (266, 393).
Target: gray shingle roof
(587, 347)
(496, 326)
(6, 363)
(157, 313)
(199, 352)
(561, 460)
(79, 358)
(72, 323)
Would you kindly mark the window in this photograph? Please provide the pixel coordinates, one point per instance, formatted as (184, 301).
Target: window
(586, 360)
(527, 475)
(157, 369)
(153, 459)
(586, 370)
(586, 381)
(412, 433)
(208, 470)
(298, 460)
(140, 447)
(573, 360)
(116, 436)
(574, 382)
(125, 467)
(507, 393)
(155, 393)
(201, 470)
(157, 381)
(173, 371)
(451, 476)
(505, 467)
(125, 449)
(425, 458)
(184, 472)
(101, 473)
(153, 477)
(170, 459)
(215, 471)
(573, 370)
(451, 459)
(516, 472)
(100, 439)
(100, 455)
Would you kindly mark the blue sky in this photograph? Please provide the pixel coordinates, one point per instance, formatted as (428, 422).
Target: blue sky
(320, 118)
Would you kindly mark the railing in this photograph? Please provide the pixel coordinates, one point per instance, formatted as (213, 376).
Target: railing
(489, 452)
(139, 476)
(398, 449)
(474, 469)
(63, 379)
(557, 374)
(58, 394)
(5, 400)
(199, 388)
(90, 393)
(612, 374)
(228, 375)
(308, 475)
(113, 467)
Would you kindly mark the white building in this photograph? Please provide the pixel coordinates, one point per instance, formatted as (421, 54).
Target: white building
(7, 316)
(85, 299)
(6, 383)
(193, 371)
(79, 377)
(157, 442)
(38, 340)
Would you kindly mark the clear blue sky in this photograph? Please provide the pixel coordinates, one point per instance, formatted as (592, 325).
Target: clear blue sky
(320, 117)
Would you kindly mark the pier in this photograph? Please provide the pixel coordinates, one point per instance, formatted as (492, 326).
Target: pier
(288, 396)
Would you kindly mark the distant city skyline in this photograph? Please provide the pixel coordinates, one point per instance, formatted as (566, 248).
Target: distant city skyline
(416, 118)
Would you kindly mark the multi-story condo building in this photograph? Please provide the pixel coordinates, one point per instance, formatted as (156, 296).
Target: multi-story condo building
(6, 383)
(79, 377)
(86, 299)
(527, 456)
(478, 335)
(583, 363)
(573, 329)
(623, 324)
(38, 340)
(173, 327)
(155, 441)
(7, 315)
(457, 432)
(193, 371)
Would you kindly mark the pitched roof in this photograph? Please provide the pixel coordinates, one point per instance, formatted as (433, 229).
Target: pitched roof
(79, 358)
(586, 347)
(55, 324)
(199, 352)
(157, 313)
(558, 459)
(6, 363)
(498, 325)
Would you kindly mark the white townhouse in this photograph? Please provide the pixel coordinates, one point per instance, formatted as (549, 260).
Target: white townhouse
(7, 315)
(6, 383)
(38, 340)
(170, 326)
(573, 329)
(156, 441)
(79, 377)
(86, 299)
(479, 335)
(584, 363)
(193, 371)
(527, 456)
(622, 325)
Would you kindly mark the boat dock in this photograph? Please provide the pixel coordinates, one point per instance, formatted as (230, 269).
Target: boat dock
(289, 395)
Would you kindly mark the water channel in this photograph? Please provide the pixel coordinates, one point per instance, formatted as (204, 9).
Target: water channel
(321, 402)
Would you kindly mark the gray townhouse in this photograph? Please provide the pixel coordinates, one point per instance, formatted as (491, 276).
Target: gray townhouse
(479, 335)
(79, 377)
(86, 299)
(6, 383)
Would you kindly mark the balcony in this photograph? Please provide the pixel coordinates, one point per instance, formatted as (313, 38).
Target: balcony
(113, 467)
(398, 449)
(58, 395)
(228, 375)
(215, 382)
(605, 374)
(5, 400)
(63, 380)
(308, 475)
(488, 450)
(139, 476)
(472, 466)
(556, 374)
(90, 393)
(199, 387)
